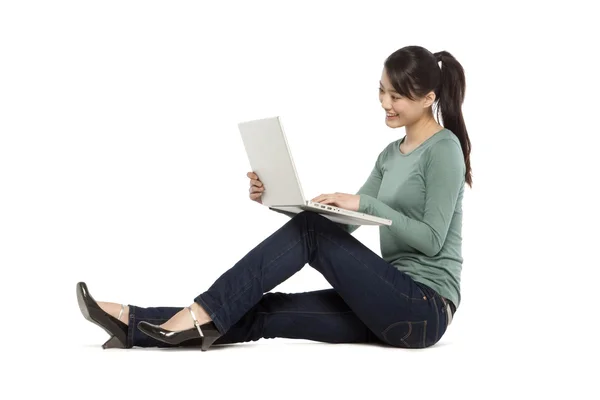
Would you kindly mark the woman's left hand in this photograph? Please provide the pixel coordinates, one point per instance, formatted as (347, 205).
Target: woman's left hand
(341, 200)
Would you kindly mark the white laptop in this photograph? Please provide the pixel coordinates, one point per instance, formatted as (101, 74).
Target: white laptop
(271, 159)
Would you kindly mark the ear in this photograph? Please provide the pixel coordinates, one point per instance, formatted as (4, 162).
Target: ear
(428, 99)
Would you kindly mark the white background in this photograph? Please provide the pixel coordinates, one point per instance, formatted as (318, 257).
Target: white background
(121, 165)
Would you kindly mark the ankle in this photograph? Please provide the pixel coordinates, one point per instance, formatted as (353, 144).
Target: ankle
(200, 314)
(125, 316)
(114, 309)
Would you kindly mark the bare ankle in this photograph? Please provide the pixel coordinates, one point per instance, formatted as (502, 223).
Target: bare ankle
(114, 309)
(125, 316)
(201, 315)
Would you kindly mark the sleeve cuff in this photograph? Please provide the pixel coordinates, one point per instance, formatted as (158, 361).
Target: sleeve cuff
(364, 203)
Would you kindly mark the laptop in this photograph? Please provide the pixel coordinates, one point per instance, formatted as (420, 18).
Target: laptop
(270, 158)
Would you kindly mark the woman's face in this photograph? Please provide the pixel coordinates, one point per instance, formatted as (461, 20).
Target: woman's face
(406, 110)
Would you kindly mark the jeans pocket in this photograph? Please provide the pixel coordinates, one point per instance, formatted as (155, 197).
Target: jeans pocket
(426, 291)
(408, 334)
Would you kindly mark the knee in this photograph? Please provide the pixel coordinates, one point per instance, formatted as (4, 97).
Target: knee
(305, 215)
(272, 302)
(310, 216)
(308, 220)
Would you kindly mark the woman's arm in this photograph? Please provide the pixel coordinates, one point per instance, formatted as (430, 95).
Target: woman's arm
(369, 188)
(444, 178)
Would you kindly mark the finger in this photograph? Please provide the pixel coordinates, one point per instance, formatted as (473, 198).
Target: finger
(255, 196)
(254, 189)
(322, 197)
(255, 182)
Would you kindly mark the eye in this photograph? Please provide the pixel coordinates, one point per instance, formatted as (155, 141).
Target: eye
(393, 97)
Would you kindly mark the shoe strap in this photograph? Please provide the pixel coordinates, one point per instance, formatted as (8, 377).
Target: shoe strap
(121, 312)
(196, 323)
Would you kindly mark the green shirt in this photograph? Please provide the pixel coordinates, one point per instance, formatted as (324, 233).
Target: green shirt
(421, 192)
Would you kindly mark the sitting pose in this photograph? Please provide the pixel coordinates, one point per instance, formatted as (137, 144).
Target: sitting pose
(405, 298)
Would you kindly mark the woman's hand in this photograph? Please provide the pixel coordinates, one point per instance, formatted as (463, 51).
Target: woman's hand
(341, 200)
(256, 187)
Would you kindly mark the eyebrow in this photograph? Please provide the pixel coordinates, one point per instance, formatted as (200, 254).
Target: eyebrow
(391, 90)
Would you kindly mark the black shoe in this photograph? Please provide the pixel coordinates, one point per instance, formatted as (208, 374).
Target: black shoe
(93, 313)
(207, 332)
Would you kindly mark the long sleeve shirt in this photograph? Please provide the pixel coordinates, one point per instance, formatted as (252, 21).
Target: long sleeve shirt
(421, 192)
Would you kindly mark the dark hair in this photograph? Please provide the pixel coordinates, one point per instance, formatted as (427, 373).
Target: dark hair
(414, 72)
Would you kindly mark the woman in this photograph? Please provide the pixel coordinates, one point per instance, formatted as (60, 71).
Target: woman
(406, 298)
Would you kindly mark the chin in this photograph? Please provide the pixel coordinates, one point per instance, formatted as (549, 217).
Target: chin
(394, 124)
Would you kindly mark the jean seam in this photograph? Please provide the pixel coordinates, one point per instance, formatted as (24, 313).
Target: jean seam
(210, 313)
(410, 328)
(384, 333)
(367, 267)
(236, 296)
(131, 327)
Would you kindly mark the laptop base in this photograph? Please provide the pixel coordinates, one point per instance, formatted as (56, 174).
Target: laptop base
(335, 216)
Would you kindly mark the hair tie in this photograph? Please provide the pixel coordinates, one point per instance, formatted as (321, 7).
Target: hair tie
(438, 57)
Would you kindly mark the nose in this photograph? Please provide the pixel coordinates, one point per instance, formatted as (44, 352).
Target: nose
(386, 105)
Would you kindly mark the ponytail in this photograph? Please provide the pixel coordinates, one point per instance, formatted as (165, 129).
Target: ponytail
(450, 94)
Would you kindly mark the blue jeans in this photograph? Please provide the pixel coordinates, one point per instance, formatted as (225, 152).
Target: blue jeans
(370, 300)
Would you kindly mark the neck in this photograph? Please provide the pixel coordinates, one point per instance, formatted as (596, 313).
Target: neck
(421, 130)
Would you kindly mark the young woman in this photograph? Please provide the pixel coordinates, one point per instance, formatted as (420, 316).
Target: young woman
(406, 298)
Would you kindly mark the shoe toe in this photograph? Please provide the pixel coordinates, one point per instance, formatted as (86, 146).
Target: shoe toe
(150, 329)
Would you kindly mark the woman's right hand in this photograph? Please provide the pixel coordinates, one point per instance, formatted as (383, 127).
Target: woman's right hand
(256, 187)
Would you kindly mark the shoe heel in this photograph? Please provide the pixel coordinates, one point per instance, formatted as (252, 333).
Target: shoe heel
(113, 343)
(208, 341)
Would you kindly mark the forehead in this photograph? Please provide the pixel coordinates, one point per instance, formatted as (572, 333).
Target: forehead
(384, 76)
(386, 85)
(385, 82)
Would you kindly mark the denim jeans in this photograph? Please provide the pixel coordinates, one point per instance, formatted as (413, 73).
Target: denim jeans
(370, 300)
